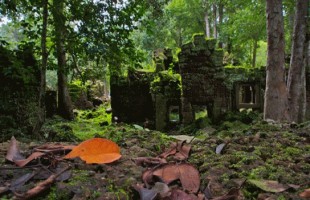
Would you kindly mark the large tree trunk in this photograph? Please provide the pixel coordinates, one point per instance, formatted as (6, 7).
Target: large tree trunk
(44, 55)
(296, 78)
(65, 108)
(276, 101)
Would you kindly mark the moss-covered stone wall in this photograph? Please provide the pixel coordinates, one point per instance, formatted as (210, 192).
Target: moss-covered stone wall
(19, 80)
(202, 71)
(131, 98)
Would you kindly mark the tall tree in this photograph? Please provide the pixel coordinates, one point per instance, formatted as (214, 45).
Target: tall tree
(276, 95)
(65, 108)
(296, 79)
(44, 57)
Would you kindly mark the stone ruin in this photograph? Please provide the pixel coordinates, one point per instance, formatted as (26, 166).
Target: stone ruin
(153, 96)
(131, 99)
(201, 68)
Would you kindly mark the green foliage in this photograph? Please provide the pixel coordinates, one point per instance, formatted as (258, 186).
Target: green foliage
(18, 66)
(167, 83)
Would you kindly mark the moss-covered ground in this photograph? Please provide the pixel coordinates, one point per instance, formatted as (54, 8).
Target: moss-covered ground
(253, 149)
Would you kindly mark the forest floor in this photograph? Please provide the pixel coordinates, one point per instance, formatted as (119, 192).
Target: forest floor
(242, 158)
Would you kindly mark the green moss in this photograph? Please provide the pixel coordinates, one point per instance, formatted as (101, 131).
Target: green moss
(291, 151)
(167, 83)
(75, 89)
(86, 125)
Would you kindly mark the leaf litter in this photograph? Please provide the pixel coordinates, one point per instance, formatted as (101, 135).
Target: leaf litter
(218, 172)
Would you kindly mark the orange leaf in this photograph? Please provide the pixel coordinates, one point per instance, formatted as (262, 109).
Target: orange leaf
(96, 150)
(305, 194)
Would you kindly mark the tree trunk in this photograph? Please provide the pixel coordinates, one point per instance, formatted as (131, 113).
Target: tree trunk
(296, 78)
(65, 108)
(207, 23)
(276, 101)
(214, 21)
(221, 15)
(307, 64)
(44, 55)
(254, 53)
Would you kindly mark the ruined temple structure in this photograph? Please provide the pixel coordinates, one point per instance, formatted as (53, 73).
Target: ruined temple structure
(202, 71)
(131, 99)
(202, 83)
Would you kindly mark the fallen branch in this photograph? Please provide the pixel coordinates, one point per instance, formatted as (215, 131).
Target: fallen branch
(41, 187)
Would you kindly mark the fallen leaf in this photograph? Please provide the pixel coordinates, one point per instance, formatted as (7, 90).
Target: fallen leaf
(146, 194)
(13, 151)
(147, 177)
(21, 181)
(207, 192)
(162, 189)
(182, 151)
(220, 148)
(179, 149)
(96, 150)
(294, 186)
(66, 175)
(168, 173)
(171, 151)
(305, 194)
(186, 173)
(187, 138)
(177, 194)
(233, 194)
(33, 156)
(138, 127)
(268, 185)
(189, 178)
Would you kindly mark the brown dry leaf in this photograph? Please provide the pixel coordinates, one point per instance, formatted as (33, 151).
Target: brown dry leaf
(96, 150)
(13, 151)
(305, 194)
(183, 151)
(167, 173)
(147, 177)
(189, 178)
(171, 151)
(188, 175)
(180, 195)
(33, 156)
(179, 149)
